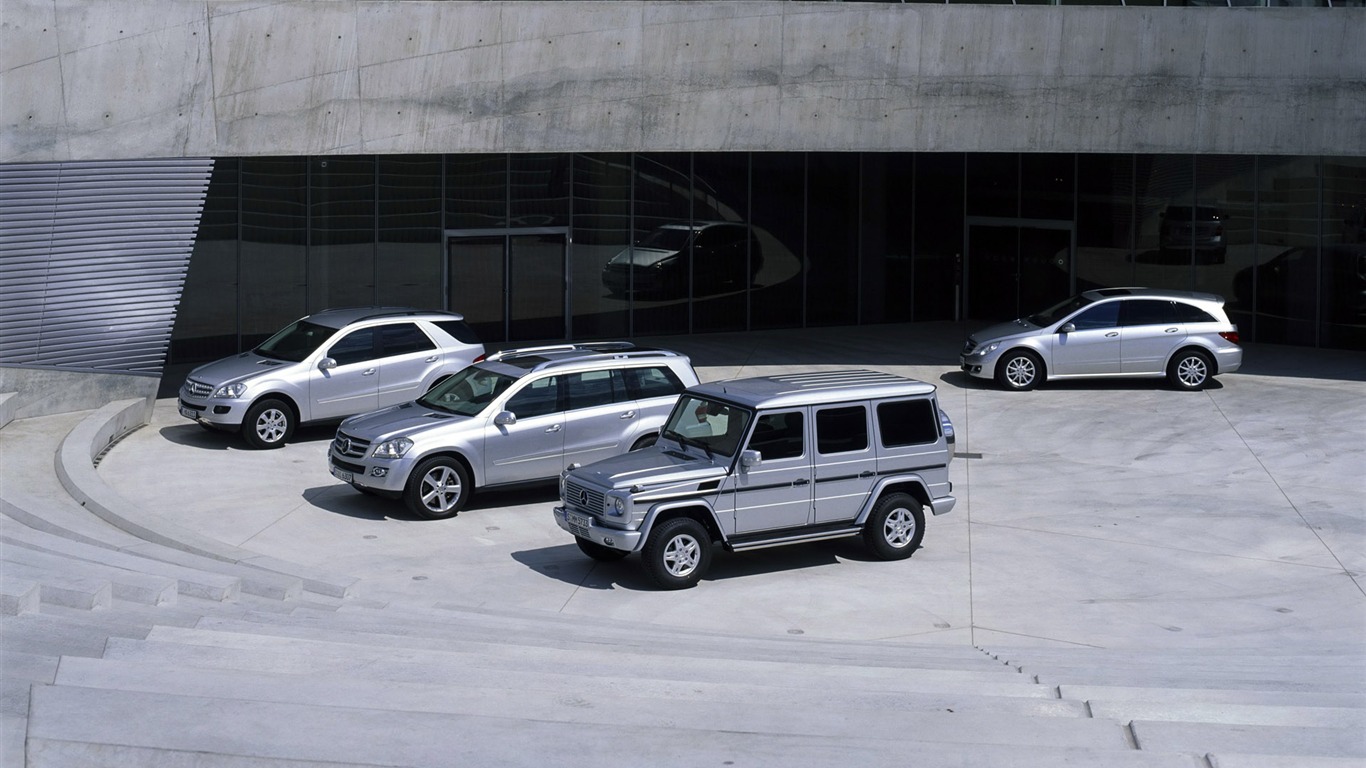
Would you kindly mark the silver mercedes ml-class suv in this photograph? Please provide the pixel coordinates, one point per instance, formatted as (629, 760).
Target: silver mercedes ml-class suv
(328, 366)
(760, 462)
(518, 416)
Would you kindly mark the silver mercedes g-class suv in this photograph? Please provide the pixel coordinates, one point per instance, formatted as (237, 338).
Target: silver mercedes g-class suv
(760, 462)
(518, 416)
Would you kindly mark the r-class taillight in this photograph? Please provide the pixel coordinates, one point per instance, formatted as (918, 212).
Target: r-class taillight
(1229, 336)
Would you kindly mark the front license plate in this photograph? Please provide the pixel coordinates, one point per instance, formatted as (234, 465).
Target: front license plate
(188, 413)
(582, 521)
(342, 475)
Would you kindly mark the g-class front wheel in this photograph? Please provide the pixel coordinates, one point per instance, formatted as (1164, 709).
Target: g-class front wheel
(599, 552)
(677, 553)
(895, 528)
(437, 489)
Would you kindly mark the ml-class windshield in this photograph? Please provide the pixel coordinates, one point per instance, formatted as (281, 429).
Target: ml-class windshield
(295, 341)
(709, 425)
(468, 392)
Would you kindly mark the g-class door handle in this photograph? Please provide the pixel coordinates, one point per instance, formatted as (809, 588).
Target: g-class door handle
(867, 473)
(800, 481)
(552, 428)
(628, 415)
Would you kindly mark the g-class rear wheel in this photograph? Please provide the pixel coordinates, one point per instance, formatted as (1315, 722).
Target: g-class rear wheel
(599, 552)
(677, 554)
(437, 489)
(895, 528)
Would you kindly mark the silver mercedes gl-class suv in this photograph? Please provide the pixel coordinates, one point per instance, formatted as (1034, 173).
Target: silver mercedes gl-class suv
(518, 416)
(760, 462)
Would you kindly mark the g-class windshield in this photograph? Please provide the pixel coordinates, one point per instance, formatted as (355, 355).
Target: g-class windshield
(711, 425)
(467, 392)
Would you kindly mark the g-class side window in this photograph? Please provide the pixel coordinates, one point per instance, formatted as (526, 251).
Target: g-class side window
(779, 436)
(907, 422)
(841, 430)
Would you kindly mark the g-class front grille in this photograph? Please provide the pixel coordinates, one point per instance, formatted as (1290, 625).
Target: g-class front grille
(582, 497)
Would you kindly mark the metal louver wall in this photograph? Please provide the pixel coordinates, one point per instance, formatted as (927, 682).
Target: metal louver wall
(93, 256)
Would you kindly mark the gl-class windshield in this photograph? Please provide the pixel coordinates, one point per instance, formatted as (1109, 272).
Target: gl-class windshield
(710, 425)
(467, 392)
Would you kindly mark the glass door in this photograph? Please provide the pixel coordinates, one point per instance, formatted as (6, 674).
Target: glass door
(509, 284)
(1016, 267)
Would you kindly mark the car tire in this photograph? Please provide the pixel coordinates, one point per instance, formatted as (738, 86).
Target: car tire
(599, 552)
(677, 553)
(268, 424)
(1190, 370)
(895, 527)
(437, 489)
(1019, 370)
(645, 442)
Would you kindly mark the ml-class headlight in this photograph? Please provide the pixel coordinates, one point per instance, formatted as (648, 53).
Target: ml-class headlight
(986, 349)
(231, 390)
(615, 503)
(392, 449)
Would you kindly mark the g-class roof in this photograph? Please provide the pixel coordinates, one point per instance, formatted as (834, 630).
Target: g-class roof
(812, 388)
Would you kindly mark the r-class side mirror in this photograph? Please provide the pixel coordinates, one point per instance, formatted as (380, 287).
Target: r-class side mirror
(1067, 328)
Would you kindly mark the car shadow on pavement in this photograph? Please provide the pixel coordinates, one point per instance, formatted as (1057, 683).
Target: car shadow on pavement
(343, 500)
(960, 380)
(195, 436)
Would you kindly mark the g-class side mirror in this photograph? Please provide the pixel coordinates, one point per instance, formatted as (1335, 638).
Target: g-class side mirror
(750, 459)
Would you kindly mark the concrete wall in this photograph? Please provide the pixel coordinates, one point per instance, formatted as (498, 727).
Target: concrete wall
(45, 391)
(167, 78)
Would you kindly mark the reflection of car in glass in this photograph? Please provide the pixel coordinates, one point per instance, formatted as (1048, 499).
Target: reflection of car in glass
(1287, 284)
(518, 416)
(326, 367)
(1110, 332)
(725, 255)
(1197, 228)
(769, 461)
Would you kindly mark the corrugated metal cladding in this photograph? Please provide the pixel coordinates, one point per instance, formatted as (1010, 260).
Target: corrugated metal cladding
(93, 256)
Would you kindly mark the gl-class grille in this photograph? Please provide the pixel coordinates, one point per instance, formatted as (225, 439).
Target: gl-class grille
(351, 447)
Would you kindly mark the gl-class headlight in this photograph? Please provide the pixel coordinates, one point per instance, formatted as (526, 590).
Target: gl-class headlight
(231, 390)
(392, 449)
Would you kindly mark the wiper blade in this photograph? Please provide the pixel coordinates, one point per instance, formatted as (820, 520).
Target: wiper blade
(685, 441)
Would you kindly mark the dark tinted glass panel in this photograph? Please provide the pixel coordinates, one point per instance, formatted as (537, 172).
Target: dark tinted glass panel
(664, 279)
(206, 321)
(779, 205)
(910, 422)
(938, 266)
(476, 191)
(1282, 286)
(341, 254)
(1146, 312)
(593, 388)
(886, 233)
(993, 185)
(1218, 227)
(602, 229)
(1162, 259)
(459, 331)
(1101, 316)
(273, 285)
(1105, 232)
(539, 186)
(652, 382)
(840, 430)
(536, 287)
(1188, 313)
(408, 254)
(1046, 183)
(778, 436)
(476, 288)
(721, 193)
(537, 399)
(832, 239)
(403, 339)
(1342, 288)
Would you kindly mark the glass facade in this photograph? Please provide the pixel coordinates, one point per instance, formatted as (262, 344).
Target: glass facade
(545, 247)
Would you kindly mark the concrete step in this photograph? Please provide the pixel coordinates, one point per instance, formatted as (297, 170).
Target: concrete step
(132, 586)
(511, 690)
(18, 595)
(71, 725)
(1231, 714)
(56, 588)
(1175, 676)
(1242, 739)
(424, 666)
(653, 640)
(1145, 658)
(583, 659)
(192, 582)
(46, 634)
(1181, 696)
(13, 732)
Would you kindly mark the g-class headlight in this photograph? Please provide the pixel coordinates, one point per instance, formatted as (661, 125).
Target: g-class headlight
(392, 449)
(615, 503)
(231, 390)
